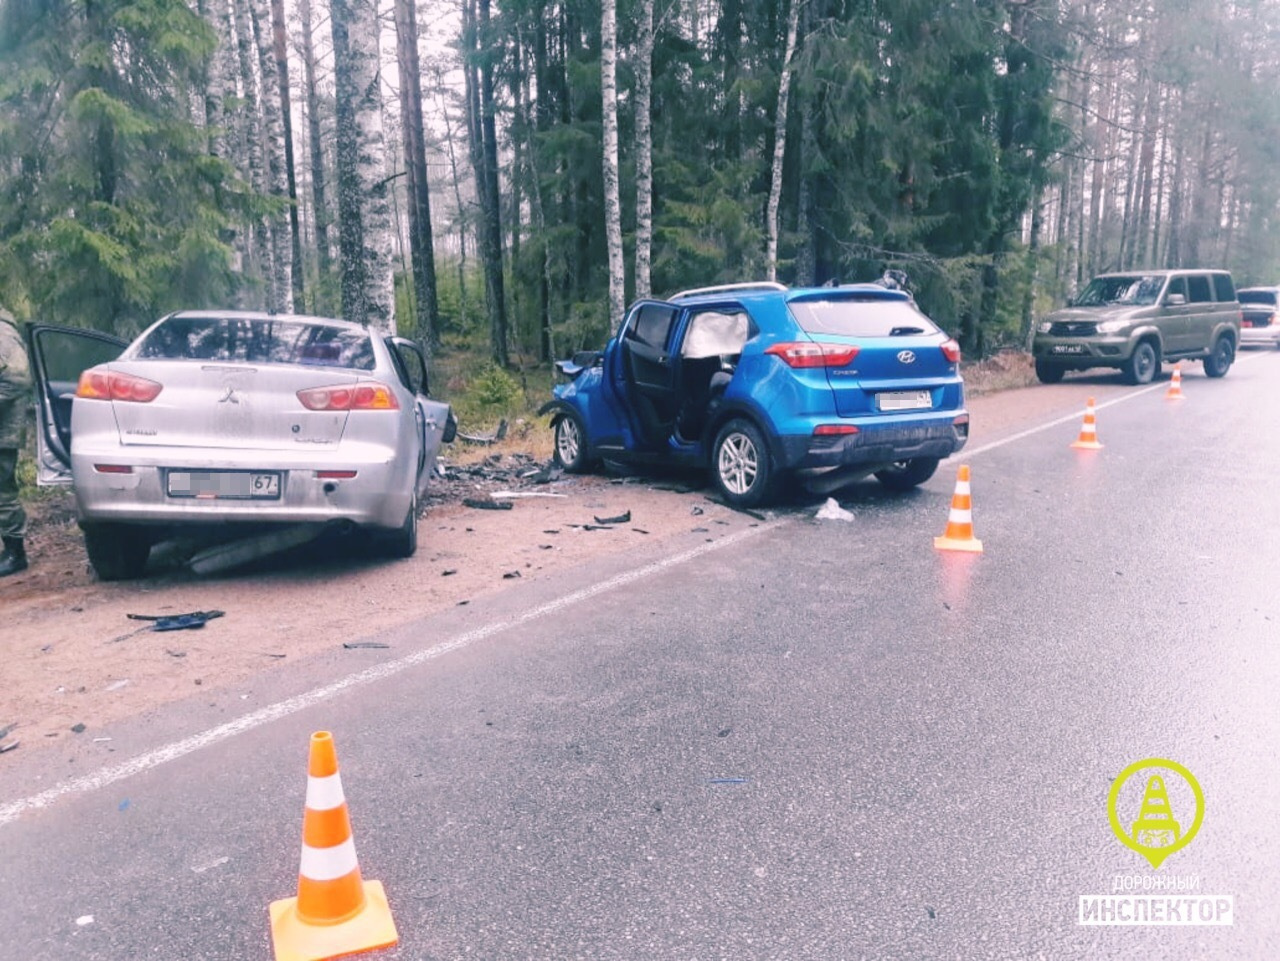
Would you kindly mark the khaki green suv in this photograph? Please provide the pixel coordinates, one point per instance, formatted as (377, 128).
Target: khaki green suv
(1136, 321)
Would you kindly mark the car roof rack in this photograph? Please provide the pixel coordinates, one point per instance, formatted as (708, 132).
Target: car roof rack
(724, 288)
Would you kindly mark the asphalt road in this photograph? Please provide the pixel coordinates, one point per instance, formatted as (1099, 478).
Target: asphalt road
(820, 740)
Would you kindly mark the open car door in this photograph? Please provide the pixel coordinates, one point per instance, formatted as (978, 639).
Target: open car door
(649, 370)
(59, 355)
(434, 418)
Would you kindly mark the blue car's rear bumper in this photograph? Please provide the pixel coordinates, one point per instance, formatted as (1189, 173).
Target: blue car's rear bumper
(873, 445)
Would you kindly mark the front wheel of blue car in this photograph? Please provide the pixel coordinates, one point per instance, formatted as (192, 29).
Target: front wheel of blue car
(571, 444)
(740, 464)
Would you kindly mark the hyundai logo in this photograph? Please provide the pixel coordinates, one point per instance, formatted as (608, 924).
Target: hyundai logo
(907, 356)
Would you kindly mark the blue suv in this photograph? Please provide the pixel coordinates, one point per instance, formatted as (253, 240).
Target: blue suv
(758, 381)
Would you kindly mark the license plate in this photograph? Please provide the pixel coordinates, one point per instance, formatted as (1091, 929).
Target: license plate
(219, 484)
(905, 400)
(1067, 349)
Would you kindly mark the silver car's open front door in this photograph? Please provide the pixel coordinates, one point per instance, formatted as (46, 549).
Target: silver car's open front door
(432, 415)
(59, 355)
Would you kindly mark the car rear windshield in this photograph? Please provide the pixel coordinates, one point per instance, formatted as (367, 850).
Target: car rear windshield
(1258, 297)
(257, 341)
(1138, 290)
(860, 317)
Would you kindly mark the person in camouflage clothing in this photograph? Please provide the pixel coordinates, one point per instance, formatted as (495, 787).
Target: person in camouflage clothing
(15, 382)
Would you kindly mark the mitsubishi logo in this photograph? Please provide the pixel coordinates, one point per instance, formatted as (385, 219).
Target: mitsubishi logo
(230, 396)
(907, 356)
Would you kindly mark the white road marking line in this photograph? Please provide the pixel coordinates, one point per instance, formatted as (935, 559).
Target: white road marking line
(274, 712)
(965, 455)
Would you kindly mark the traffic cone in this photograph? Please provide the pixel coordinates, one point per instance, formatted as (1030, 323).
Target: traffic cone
(1175, 387)
(335, 912)
(1088, 439)
(959, 532)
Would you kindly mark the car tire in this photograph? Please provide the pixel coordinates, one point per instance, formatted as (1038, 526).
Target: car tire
(1143, 364)
(570, 443)
(1049, 373)
(1220, 358)
(908, 474)
(118, 552)
(402, 543)
(741, 466)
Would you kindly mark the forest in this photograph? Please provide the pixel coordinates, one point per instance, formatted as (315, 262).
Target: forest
(500, 179)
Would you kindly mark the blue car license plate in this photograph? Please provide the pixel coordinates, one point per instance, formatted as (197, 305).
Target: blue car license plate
(219, 484)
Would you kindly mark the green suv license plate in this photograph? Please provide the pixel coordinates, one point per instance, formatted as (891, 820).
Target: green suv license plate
(240, 485)
(904, 400)
(1067, 349)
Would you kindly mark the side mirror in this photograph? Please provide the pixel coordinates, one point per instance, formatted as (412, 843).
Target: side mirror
(1175, 300)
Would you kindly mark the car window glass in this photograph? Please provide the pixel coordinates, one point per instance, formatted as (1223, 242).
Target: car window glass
(652, 324)
(1139, 290)
(1258, 297)
(409, 366)
(257, 341)
(713, 333)
(1177, 285)
(860, 317)
(1224, 287)
(66, 356)
(1201, 292)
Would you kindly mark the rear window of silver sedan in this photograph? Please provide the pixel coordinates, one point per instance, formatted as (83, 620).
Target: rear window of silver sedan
(269, 340)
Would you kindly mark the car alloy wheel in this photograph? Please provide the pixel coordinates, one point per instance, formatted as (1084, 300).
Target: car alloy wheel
(1143, 363)
(738, 463)
(741, 465)
(570, 438)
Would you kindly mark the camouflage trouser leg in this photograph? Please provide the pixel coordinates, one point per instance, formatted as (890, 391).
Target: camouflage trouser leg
(13, 519)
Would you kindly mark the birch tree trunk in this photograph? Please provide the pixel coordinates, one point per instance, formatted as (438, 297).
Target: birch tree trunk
(218, 77)
(780, 143)
(462, 218)
(280, 47)
(421, 248)
(280, 279)
(644, 149)
(612, 201)
(364, 214)
(321, 215)
(482, 133)
(258, 246)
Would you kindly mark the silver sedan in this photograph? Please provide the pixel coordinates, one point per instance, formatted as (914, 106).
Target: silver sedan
(225, 417)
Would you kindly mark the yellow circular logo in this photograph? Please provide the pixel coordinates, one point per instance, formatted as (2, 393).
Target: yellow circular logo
(1154, 817)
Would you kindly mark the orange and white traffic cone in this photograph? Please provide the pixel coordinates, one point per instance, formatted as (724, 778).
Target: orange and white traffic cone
(959, 533)
(335, 913)
(1088, 439)
(1175, 386)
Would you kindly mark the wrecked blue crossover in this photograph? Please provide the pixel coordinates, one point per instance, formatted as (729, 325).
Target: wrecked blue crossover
(758, 381)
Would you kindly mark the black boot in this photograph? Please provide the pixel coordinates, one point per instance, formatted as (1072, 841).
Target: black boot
(14, 558)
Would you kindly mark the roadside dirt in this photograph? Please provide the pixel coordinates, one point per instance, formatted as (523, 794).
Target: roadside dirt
(72, 657)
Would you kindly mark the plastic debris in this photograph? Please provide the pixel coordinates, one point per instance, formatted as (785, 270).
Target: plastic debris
(832, 511)
(77, 728)
(486, 504)
(116, 685)
(84, 919)
(623, 518)
(352, 645)
(509, 495)
(510, 575)
(176, 622)
(497, 435)
(727, 780)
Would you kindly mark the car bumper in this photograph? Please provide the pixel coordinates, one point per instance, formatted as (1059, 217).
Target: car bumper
(1097, 351)
(378, 495)
(875, 444)
(1268, 336)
